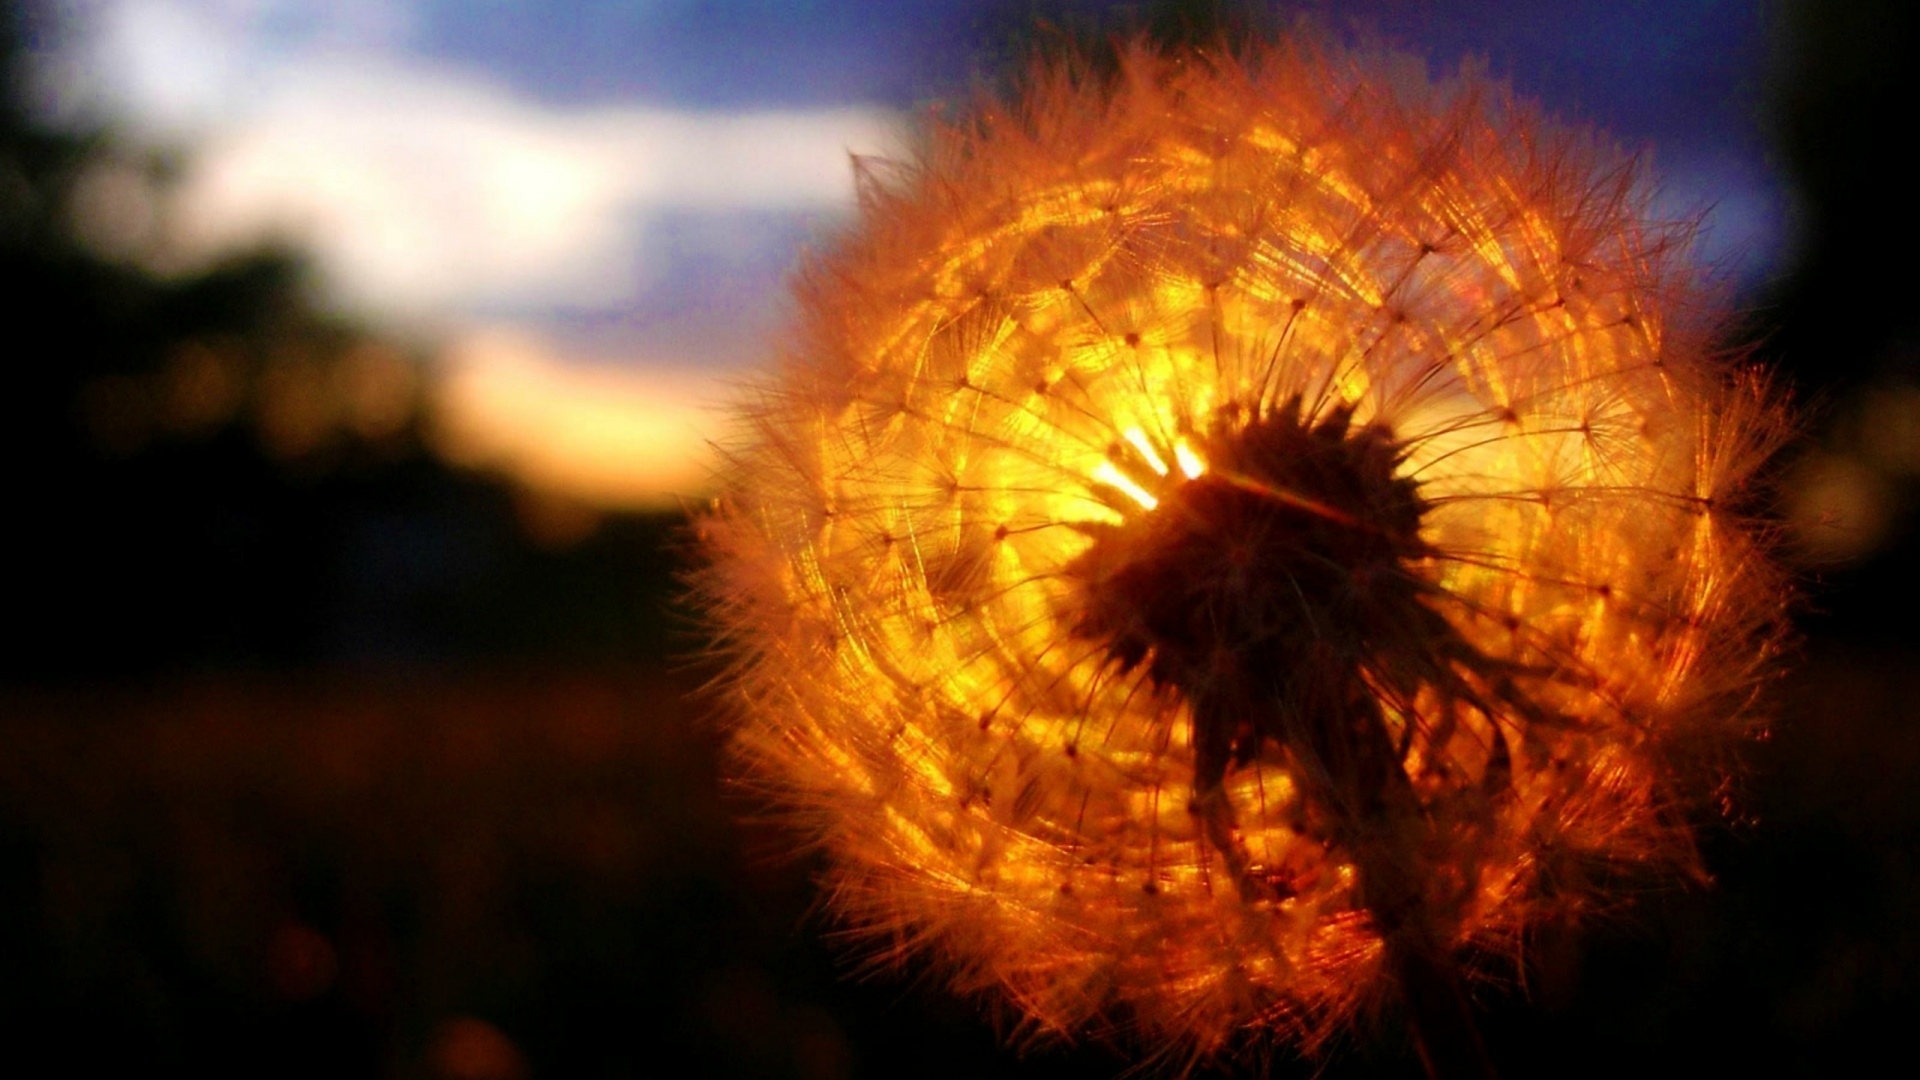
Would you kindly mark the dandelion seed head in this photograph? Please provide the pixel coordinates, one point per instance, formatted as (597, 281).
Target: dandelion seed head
(1210, 522)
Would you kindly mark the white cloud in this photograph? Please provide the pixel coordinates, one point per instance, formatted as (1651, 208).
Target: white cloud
(181, 67)
(428, 191)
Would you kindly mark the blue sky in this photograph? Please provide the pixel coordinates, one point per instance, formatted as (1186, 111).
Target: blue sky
(584, 94)
(624, 183)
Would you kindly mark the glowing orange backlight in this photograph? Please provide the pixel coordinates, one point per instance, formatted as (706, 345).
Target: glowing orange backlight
(1151, 438)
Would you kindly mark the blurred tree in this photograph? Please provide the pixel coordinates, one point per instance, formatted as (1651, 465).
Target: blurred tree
(213, 470)
(1843, 324)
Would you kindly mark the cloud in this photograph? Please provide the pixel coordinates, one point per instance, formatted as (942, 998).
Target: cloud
(428, 191)
(630, 437)
(178, 68)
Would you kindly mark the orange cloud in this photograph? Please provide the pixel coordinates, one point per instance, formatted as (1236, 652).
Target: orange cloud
(614, 438)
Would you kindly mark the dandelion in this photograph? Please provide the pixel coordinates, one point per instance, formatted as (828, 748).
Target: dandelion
(1236, 543)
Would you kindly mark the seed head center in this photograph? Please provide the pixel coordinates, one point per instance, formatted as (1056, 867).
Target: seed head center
(1294, 547)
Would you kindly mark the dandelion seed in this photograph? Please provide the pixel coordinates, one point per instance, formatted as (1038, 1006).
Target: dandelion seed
(1233, 543)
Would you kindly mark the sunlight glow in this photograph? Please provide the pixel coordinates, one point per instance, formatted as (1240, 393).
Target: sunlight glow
(611, 437)
(1190, 463)
(1108, 474)
(1139, 440)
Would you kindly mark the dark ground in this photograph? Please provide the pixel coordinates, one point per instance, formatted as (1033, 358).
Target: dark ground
(530, 868)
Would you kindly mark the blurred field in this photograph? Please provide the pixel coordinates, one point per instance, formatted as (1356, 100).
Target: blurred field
(522, 871)
(536, 871)
(334, 875)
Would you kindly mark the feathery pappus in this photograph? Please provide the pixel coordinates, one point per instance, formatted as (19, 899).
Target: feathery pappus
(1238, 541)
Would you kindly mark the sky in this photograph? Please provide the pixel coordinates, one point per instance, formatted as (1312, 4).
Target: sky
(598, 200)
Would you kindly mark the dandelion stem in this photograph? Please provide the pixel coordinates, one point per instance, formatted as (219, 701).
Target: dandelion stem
(1444, 1031)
